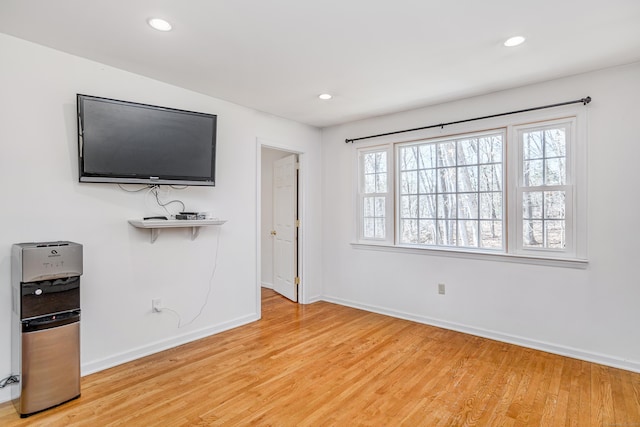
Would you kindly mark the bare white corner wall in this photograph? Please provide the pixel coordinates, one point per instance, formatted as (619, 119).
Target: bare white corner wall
(591, 313)
(43, 201)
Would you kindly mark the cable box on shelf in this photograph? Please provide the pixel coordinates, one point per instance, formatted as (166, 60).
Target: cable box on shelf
(191, 215)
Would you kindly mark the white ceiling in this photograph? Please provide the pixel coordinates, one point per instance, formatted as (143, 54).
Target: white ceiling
(374, 56)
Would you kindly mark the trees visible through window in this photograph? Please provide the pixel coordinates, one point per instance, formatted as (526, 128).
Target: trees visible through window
(544, 182)
(451, 192)
(513, 190)
(374, 190)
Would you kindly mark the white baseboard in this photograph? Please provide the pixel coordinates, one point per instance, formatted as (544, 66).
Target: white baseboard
(158, 346)
(267, 285)
(602, 359)
(313, 299)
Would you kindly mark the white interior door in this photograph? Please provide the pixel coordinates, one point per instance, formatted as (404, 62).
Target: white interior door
(285, 201)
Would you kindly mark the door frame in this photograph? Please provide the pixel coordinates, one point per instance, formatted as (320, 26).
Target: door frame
(302, 215)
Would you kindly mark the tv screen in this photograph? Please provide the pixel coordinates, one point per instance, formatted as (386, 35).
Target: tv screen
(130, 143)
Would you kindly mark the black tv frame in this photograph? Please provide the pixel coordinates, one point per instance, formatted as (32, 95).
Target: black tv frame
(84, 176)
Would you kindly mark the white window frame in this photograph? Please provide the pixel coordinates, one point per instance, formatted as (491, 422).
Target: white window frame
(569, 251)
(574, 254)
(389, 199)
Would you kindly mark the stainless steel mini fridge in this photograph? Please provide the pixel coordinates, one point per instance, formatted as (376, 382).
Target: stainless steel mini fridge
(46, 324)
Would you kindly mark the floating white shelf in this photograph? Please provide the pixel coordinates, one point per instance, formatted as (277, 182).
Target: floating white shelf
(156, 224)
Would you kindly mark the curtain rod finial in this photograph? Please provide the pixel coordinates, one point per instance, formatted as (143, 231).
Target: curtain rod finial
(348, 141)
(586, 100)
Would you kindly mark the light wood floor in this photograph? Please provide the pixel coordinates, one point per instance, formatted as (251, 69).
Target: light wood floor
(327, 365)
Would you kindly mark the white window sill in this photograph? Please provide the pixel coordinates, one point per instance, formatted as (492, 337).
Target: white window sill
(502, 257)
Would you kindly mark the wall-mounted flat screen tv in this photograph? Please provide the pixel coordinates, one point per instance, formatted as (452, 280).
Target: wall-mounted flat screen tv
(131, 143)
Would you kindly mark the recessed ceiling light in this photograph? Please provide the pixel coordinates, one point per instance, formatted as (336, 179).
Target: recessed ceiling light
(325, 96)
(159, 24)
(514, 41)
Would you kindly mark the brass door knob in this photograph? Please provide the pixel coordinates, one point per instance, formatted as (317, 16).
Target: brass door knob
(273, 232)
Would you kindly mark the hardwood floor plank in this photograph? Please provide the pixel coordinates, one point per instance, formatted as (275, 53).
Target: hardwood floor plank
(580, 413)
(602, 397)
(328, 365)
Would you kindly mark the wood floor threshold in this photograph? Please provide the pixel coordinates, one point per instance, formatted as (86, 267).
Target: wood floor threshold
(328, 365)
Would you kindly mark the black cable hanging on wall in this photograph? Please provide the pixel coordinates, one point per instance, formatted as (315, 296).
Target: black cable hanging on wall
(583, 101)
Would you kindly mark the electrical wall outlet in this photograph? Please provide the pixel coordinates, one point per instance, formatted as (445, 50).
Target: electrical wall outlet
(441, 288)
(156, 305)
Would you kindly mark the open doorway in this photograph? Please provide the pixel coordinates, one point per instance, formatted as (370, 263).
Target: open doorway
(279, 222)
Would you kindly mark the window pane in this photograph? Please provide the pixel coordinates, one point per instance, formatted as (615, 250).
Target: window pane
(468, 151)
(490, 149)
(381, 182)
(447, 233)
(555, 143)
(532, 145)
(468, 233)
(367, 208)
(447, 180)
(446, 154)
(427, 181)
(532, 205)
(427, 156)
(370, 183)
(446, 206)
(408, 158)
(491, 234)
(369, 228)
(380, 228)
(491, 177)
(491, 205)
(427, 206)
(408, 206)
(555, 173)
(408, 182)
(381, 161)
(427, 232)
(554, 204)
(533, 173)
(554, 234)
(409, 231)
(467, 206)
(468, 179)
(369, 163)
(532, 233)
(379, 207)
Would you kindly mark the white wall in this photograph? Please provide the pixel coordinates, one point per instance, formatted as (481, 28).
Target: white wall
(269, 156)
(590, 314)
(42, 201)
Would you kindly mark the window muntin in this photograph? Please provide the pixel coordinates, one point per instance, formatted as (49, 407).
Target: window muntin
(451, 192)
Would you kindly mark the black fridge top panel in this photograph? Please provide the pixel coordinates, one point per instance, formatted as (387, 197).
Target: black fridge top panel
(51, 321)
(49, 297)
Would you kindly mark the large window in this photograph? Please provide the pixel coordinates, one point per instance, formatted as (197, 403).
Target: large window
(512, 190)
(450, 192)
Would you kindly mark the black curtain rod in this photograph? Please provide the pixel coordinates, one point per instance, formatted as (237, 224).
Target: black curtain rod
(584, 101)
